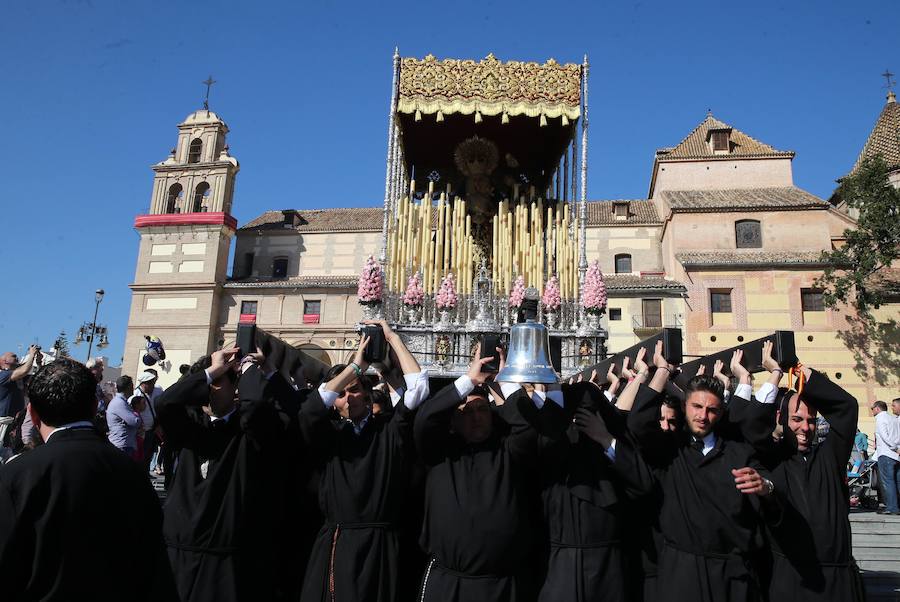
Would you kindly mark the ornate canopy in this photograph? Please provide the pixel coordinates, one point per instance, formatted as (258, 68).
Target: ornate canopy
(490, 87)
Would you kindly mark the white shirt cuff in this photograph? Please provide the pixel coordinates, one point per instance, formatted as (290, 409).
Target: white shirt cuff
(508, 389)
(208, 377)
(539, 398)
(609, 396)
(328, 397)
(766, 393)
(745, 391)
(417, 389)
(464, 386)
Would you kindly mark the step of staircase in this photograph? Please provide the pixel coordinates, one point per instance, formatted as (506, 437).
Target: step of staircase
(876, 547)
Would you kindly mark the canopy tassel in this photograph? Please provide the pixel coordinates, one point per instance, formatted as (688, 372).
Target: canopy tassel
(505, 119)
(565, 120)
(477, 116)
(418, 115)
(543, 120)
(440, 116)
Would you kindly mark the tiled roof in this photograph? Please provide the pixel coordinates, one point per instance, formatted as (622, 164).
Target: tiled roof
(745, 199)
(355, 219)
(631, 282)
(750, 258)
(640, 211)
(295, 282)
(885, 137)
(695, 145)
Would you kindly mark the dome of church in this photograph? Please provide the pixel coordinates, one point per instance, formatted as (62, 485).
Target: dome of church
(202, 116)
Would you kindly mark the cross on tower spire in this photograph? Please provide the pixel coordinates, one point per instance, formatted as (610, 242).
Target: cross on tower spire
(209, 82)
(891, 82)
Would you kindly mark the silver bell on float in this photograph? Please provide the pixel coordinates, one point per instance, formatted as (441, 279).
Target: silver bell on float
(528, 357)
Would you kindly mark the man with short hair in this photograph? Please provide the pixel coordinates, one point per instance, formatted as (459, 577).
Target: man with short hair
(225, 513)
(364, 461)
(478, 526)
(887, 443)
(12, 400)
(75, 501)
(811, 544)
(711, 496)
(895, 407)
(123, 418)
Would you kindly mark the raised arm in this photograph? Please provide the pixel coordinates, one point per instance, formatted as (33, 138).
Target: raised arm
(415, 388)
(839, 408)
(637, 377)
(431, 428)
(753, 419)
(260, 420)
(22, 371)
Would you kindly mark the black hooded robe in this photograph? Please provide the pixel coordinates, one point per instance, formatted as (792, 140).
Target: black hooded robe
(711, 532)
(812, 544)
(222, 530)
(364, 479)
(584, 502)
(477, 528)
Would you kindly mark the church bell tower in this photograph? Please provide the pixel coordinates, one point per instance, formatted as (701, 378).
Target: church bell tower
(185, 238)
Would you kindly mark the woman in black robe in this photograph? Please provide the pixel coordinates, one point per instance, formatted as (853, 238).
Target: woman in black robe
(364, 459)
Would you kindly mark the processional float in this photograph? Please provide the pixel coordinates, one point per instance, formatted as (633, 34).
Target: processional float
(485, 206)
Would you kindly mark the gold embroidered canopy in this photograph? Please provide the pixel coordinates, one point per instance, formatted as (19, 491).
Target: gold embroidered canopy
(489, 87)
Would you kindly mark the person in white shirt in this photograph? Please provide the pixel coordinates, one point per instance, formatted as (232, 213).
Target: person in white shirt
(887, 443)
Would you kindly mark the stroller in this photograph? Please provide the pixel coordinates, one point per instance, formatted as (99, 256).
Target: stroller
(862, 480)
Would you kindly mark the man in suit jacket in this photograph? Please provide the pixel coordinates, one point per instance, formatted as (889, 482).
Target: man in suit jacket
(77, 503)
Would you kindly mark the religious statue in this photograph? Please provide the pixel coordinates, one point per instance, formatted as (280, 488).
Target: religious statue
(476, 159)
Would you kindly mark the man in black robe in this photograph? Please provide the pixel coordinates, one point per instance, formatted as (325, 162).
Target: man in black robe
(584, 493)
(364, 463)
(78, 519)
(812, 547)
(225, 511)
(711, 493)
(478, 529)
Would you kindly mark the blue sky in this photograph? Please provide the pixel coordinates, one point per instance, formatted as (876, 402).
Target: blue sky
(91, 92)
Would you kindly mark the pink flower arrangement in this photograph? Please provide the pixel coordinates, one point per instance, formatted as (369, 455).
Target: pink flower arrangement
(371, 283)
(414, 295)
(594, 290)
(551, 299)
(517, 295)
(446, 297)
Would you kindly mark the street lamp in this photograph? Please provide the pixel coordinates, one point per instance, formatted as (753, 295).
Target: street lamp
(89, 330)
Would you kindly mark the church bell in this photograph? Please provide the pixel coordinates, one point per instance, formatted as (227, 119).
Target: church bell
(528, 358)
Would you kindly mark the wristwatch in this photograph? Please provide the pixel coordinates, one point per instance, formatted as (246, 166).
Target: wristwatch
(769, 485)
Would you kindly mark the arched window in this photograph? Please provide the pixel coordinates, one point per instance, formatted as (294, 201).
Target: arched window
(623, 263)
(747, 234)
(195, 150)
(176, 193)
(201, 195)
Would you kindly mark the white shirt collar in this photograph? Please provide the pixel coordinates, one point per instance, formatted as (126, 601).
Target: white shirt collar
(709, 442)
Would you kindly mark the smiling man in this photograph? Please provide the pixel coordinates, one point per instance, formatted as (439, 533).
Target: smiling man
(812, 543)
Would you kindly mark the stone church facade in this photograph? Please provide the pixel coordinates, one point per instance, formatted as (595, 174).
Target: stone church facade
(725, 246)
